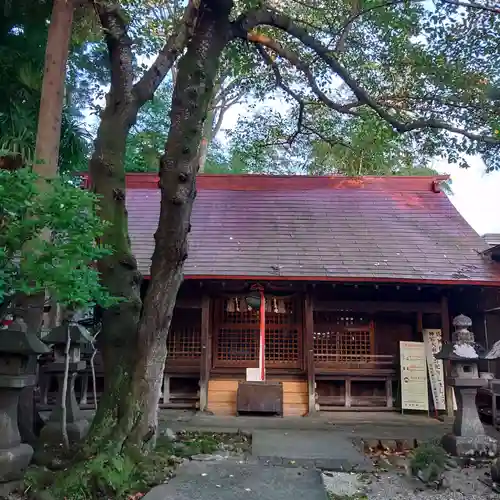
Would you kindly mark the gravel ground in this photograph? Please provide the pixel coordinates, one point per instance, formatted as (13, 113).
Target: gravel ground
(464, 484)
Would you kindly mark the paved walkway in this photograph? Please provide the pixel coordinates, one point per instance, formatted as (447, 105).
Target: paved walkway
(325, 450)
(233, 481)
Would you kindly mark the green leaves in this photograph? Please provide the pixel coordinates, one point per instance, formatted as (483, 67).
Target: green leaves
(56, 232)
(433, 65)
(23, 38)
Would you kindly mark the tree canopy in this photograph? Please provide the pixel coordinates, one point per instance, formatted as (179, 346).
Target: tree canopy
(24, 27)
(380, 85)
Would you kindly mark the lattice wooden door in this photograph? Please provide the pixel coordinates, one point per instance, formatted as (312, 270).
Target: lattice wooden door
(236, 336)
(343, 338)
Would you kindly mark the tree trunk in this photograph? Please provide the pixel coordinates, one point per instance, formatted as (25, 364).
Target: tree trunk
(118, 271)
(178, 168)
(46, 155)
(51, 103)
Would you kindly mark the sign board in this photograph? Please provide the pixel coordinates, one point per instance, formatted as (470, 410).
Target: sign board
(433, 341)
(414, 395)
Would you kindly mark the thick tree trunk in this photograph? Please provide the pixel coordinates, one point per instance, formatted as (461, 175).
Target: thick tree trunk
(178, 168)
(118, 272)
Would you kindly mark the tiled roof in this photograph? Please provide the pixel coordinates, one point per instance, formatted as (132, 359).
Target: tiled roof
(323, 228)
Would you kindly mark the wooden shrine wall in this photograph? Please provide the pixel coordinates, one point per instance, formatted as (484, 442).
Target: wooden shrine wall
(222, 396)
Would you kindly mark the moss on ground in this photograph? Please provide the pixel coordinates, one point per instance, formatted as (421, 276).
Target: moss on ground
(124, 477)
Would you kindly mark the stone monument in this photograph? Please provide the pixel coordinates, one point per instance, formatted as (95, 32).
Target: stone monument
(77, 426)
(18, 358)
(468, 438)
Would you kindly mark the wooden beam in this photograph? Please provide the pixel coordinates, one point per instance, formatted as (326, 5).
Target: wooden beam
(420, 325)
(189, 303)
(309, 352)
(446, 334)
(369, 306)
(206, 352)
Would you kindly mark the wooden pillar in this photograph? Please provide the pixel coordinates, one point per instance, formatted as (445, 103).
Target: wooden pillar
(420, 326)
(166, 389)
(206, 352)
(309, 352)
(388, 393)
(446, 334)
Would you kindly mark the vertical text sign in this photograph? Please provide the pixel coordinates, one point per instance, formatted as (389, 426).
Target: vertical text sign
(414, 395)
(433, 343)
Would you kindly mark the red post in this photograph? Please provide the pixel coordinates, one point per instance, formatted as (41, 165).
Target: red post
(262, 349)
(262, 332)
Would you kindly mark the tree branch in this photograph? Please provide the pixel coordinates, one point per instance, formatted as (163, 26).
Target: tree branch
(147, 85)
(344, 33)
(281, 21)
(219, 120)
(294, 59)
(301, 126)
(280, 83)
(119, 46)
(355, 15)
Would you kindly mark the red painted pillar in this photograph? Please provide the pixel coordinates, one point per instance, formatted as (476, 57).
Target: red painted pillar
(262, 350)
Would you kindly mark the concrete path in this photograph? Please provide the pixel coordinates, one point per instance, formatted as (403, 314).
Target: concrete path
(327, 450)
(359, 425)
(233, 481)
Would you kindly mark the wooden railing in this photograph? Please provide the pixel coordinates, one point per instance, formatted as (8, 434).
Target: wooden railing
(373, 362)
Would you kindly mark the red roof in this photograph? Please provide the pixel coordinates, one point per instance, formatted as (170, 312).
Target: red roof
(318, 228)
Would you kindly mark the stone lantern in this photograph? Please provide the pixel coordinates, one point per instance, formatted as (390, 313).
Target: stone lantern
(18, 358)
(77, 426)
(468, 437)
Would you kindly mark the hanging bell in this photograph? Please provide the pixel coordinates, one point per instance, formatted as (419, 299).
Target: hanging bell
(253, 300)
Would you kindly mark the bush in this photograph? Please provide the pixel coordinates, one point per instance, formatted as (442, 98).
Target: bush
(429, 461)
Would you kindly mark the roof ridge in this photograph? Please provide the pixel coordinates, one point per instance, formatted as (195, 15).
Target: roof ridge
(265, 182)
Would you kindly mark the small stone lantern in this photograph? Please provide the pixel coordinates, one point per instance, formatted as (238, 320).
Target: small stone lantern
(468, 438)
(18, 358)
(77, 426)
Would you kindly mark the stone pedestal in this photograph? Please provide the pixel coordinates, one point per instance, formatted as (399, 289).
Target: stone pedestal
(77, 426)
(14, 455)
(18, 353)
(468, 438)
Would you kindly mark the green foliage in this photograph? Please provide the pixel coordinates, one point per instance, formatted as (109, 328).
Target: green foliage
(415, 61)
(23, 37)
(146, 140)
(102, 476)
(57, 229)
(429, 461)
(123, 475)
(192, 444)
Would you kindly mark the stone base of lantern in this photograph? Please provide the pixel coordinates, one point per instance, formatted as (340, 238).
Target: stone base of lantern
(52, 434)
(466, 446)
(13, 464)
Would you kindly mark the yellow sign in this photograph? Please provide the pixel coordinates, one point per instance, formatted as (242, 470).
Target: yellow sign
(414, 395)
